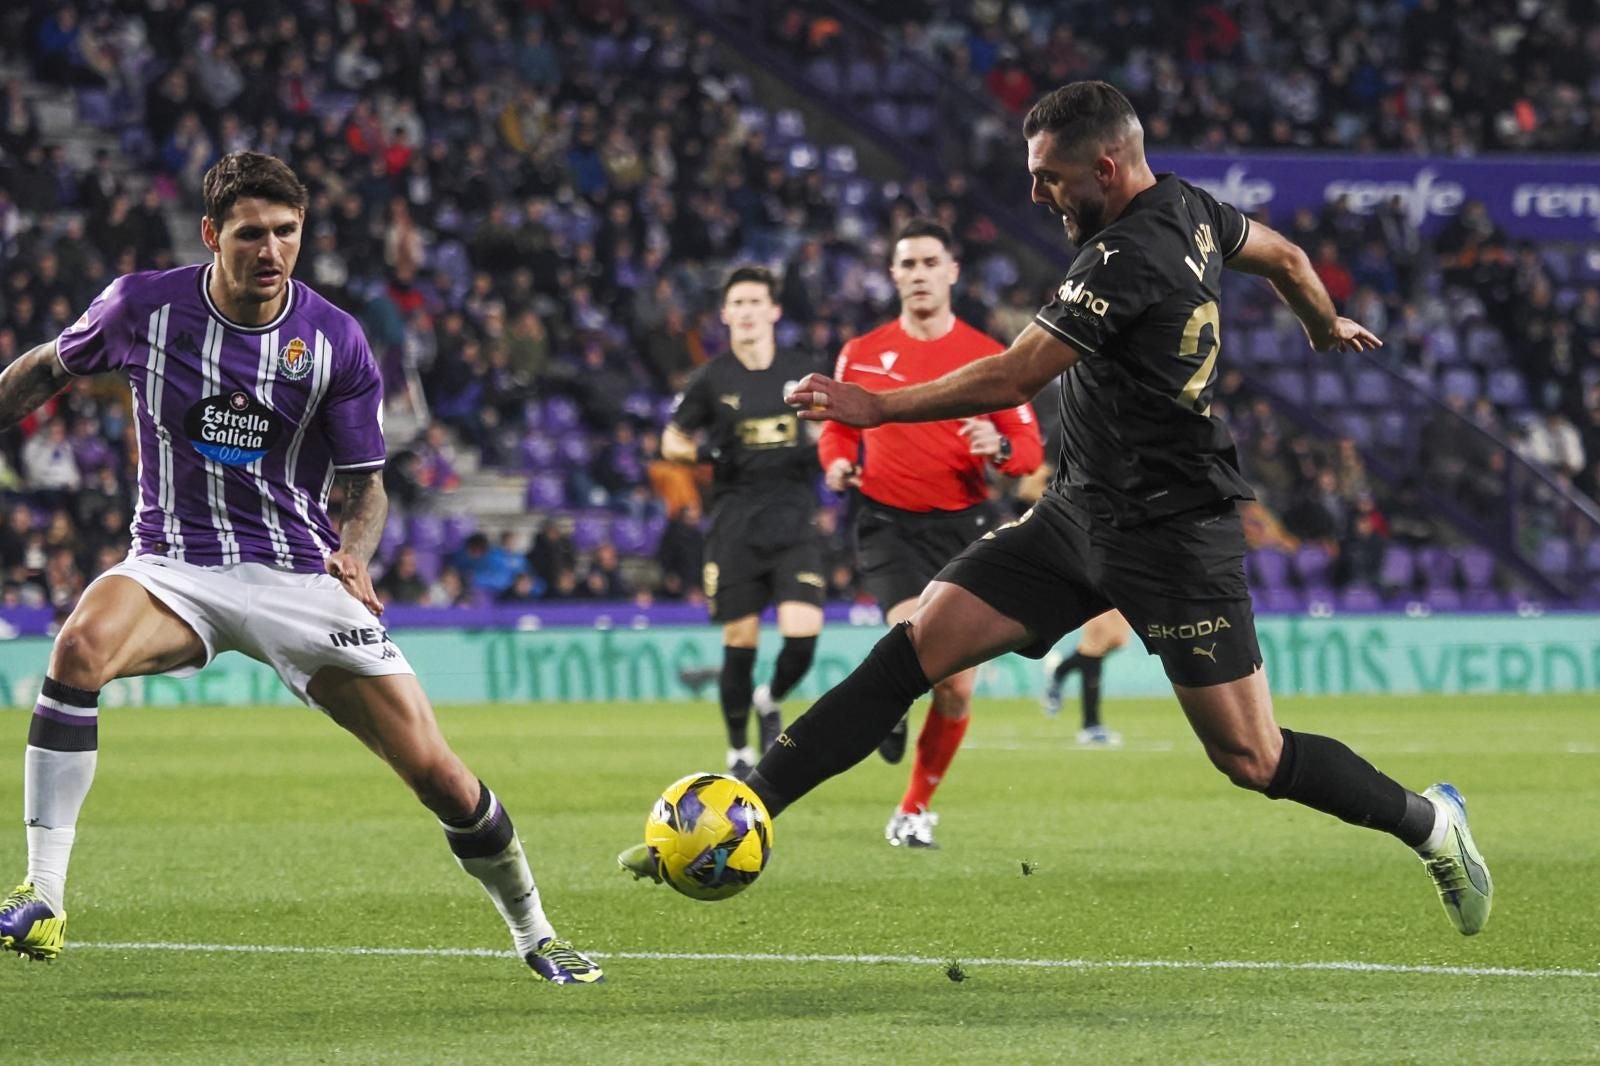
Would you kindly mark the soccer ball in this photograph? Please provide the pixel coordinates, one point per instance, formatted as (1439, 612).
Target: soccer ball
(709, 836)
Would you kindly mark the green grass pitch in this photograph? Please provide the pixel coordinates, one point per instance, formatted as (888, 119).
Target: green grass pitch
(239, 829)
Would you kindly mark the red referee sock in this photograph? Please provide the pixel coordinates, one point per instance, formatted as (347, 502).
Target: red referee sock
(936, 747)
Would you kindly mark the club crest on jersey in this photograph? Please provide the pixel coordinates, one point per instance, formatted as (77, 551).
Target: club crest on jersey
(294, 362)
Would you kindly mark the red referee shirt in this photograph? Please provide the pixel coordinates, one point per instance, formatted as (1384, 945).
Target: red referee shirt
(923, 466)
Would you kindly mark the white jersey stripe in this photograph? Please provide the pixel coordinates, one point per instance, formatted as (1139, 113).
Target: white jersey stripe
(269, 508)
(155, 382)
(321, 371)
(216, 485)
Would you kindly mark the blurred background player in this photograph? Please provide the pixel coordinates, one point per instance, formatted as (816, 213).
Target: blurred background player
(924, 487)
(763, 547)
(1100, 636)
(252, 395)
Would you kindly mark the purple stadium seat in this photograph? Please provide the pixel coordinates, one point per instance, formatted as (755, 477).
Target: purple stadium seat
(664, 409)
(1264, 346)
(1311, 565)
(574, 448)
(1442, 345)
(1508, 388)
(1459, 381)
(429, 564)
(561, 413)
(640, 405)
(885, 113)
(856, 192)
(457, 528)
(1591, 558)
(1555, 557)
(920, 119)
(1357, 427)
(825, 74)
(1485, 346)
(1268, 568)
(632, 537)
(1399, 568)
(1437, 565)
(1476, 565)
(1484, 600)
(1442, 599)
(394, 535)
(425, 532)
(1328, 389)
(590, 530)
(788, 125)
(1373, 388)
(862, 78)
(1394, 429)
(839, 160)
(546, 492)
(539, 452)
(1290, 384)
(1360, 598)
(1279, 601)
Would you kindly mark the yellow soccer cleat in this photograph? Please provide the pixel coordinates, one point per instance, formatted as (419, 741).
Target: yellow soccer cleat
(29, 927)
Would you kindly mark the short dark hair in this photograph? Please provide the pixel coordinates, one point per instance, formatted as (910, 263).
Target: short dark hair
(239, 175)
(1081, 112)
(758, 274)
(925, 227)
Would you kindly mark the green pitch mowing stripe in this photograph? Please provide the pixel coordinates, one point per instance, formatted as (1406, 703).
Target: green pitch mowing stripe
(879, 960)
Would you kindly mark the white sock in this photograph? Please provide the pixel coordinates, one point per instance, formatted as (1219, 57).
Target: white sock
(1441, 827)
(746, 755)
(509, 882)
(55, 784)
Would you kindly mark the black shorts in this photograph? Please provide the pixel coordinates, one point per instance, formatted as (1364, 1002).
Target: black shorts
(1178, 580)
(741, 579)
(901, 551)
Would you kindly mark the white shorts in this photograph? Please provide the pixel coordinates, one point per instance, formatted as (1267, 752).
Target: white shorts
(295, 623)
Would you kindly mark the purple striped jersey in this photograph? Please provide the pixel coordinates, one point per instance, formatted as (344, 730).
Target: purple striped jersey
(241, 428)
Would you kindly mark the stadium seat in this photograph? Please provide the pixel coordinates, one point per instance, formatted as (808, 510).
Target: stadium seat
(546, 492)
(590, 529)
(394, 535)
(1442, 345)
(803, 156)
(1591, 558)
(1289, 384)
(1484, 600)
(1279, 601)
(1373, 388)
(632, 536)
(1328, 388)
(1359, 598)
(425, 532)
(839, 160)
(1394, 430)
(824, 72)
(457, 528)
(1442, 599)
(1476, 566)
(429, 563)
(1358, 427)
(539, 452)
(1555, 557)
(561, 413)
(1437, 566)
(1268, 568)
(788, 125)
(1507, 388)
(920, 119)
(1459, 381)
(862, 79)
(1485, 346)
(1312, 564)
(1398, 571)
(885, 114)
(1264, 346)
(574, 448)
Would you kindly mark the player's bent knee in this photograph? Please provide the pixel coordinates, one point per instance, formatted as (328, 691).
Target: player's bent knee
(81, 656)
(1248, 769)
(952, 697)
(443, 784)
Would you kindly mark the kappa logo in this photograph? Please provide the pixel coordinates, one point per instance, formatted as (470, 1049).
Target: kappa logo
(1106, 253)
(887, 359)
(1209, 653)
(731, 399)
(294, 362)
(186, 345)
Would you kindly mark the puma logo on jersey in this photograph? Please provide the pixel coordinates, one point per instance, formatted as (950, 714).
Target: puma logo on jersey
(1105, 252)
(1209, 653)
(731, 399)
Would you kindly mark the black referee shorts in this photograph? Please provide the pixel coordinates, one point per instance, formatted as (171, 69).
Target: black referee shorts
(899, 552)
(1178, 580)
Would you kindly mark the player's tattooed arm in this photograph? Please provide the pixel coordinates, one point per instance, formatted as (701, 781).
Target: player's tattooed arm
(30, 380)
(366, 505)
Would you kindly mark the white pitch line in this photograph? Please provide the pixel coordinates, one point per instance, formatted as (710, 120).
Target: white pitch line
(875, 960)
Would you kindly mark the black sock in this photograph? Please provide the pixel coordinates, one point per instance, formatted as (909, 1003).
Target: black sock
(486, 831)
(735, 685)
(845, 725)
(1325, 775)
(1091, 666)
(1066, 666)
(794, 659)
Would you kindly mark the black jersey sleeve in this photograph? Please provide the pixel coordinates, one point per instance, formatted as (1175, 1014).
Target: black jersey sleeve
(695, 407)
(1107, 287)
(1227, 221)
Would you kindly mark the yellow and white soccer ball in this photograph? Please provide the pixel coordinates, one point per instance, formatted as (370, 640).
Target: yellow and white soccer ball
(709, 836)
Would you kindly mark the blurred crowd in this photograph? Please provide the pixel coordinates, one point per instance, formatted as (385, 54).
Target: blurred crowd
(529, 205)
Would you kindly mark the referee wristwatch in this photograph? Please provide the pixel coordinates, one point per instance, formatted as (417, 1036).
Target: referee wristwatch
(1003, 456)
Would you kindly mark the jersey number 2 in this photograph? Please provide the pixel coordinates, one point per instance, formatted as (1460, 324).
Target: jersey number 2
(1202, 339)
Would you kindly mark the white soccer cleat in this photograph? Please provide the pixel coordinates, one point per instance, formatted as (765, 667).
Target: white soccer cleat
(1456, 865)
(914, 830)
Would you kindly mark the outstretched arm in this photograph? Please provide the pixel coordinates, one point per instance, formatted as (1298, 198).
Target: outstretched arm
(366, 505)
(31, 379)
(981, 387)
(1270, 255)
